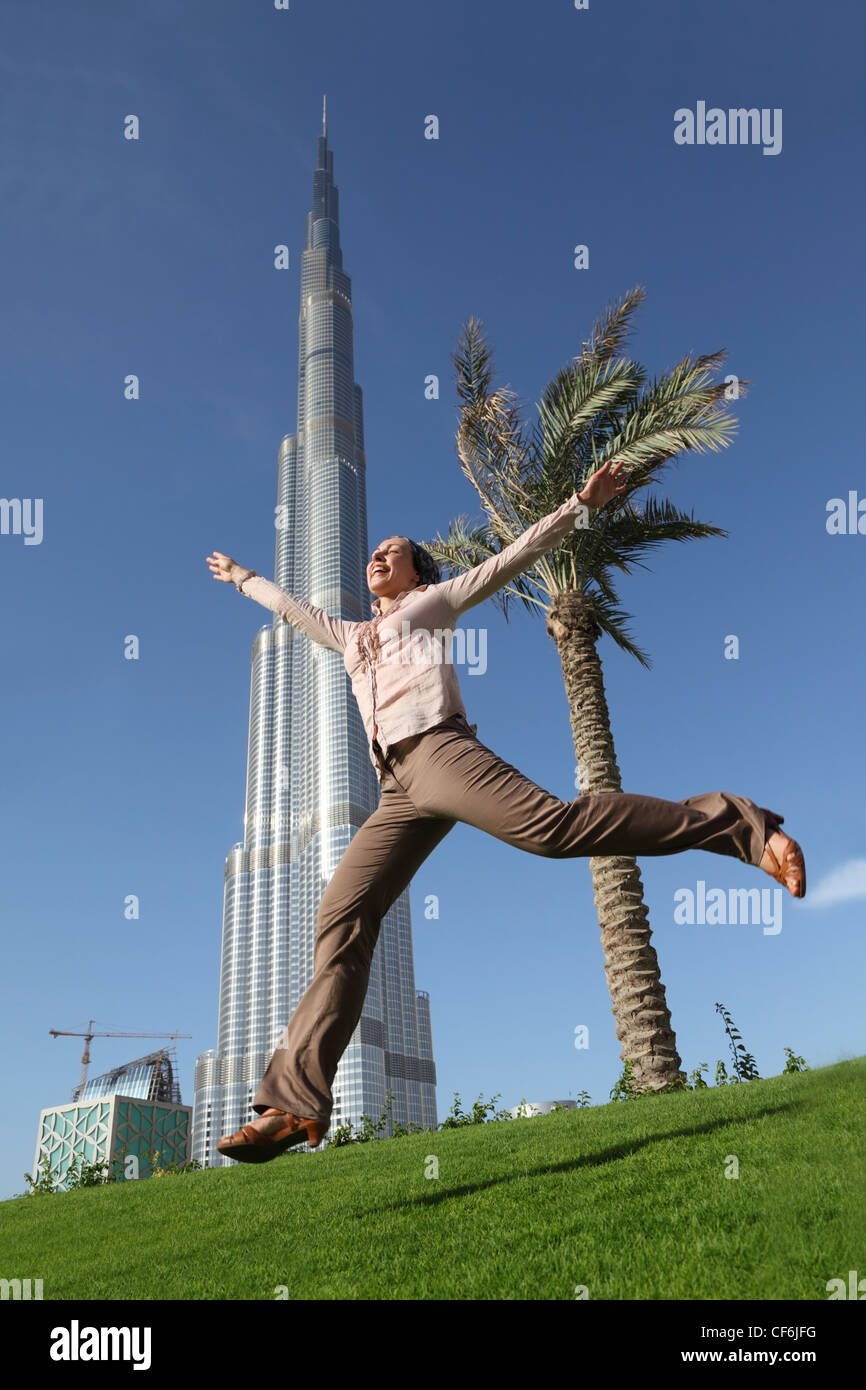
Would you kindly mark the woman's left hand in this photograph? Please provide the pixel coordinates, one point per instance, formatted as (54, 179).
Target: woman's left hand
(602, 485)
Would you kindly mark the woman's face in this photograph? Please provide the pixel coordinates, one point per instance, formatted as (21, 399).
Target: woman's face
(391, 568)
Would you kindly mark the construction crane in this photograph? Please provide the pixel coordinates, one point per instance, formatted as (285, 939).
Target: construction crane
(89, 1036)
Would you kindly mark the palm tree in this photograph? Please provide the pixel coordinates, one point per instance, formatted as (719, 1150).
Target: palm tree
(599, 408)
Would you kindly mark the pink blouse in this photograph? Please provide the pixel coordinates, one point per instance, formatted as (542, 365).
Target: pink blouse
(402, 677)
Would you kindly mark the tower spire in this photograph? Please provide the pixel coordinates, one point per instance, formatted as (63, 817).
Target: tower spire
(293, 836)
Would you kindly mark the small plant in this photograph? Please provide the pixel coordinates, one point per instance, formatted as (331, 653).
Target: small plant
(371, 1129)
(793, 1063)
(83, 1172)
(398, 1130)
(343, 1135)
(477, 1115)
(626, 1088)
(583, 1099)
(164, 1170)
(45, 1181)
(745, 1067)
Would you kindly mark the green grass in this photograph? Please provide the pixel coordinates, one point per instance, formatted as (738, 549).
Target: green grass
(630, 1200)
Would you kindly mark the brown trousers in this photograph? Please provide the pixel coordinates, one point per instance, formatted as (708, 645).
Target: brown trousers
(431, 781)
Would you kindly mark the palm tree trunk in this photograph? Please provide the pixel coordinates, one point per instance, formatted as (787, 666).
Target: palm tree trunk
(643, 1021)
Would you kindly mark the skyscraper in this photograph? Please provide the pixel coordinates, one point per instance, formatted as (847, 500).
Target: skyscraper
(310, 781)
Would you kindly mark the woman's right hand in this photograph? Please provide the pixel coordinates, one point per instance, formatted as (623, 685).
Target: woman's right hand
(602, 486)
(222, 566)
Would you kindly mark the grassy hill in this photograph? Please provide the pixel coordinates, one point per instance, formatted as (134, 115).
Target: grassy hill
(629, 1200)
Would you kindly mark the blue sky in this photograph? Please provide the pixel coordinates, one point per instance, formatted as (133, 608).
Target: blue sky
(155, 257)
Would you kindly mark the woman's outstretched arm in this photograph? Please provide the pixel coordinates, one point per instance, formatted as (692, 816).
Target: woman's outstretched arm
(466, 590)
(314, 622)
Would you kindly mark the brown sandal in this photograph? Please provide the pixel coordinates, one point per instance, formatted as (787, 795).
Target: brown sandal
(281, 1131)
(793, 863)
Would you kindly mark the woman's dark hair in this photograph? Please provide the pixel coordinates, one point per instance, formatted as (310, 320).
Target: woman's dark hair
(428, 570)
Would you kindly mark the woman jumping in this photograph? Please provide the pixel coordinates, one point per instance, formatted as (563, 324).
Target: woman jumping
(433, 772)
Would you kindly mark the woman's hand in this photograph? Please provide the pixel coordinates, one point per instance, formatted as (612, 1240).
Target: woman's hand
(223, 567)
(602, 485)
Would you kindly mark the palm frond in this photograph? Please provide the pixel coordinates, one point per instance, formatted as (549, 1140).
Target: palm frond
(610, 332)
(599, 408)
(629, 532)
(577, 397)
(467, 545)
(681, 411)
(614, 620)
(474, 364)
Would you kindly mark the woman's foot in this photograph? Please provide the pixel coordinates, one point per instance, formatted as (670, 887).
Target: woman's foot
(783, 860)
(269, 1135)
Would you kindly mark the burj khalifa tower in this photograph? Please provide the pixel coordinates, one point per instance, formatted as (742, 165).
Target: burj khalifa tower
(310, 782)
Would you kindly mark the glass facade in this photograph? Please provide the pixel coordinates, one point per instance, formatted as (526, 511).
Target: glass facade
(310, 781)
(147, 1078)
